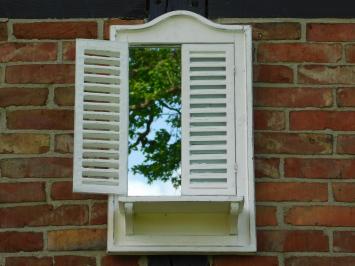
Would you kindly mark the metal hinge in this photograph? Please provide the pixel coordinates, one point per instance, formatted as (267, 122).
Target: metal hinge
(236, 168)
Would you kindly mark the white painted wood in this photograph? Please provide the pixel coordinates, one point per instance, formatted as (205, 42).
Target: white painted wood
(101, 117)
(208, 120)
(179, 28)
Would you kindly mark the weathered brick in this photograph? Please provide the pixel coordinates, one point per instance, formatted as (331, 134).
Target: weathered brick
(272, 74)
(320, 74)
(120, 261)
(41, 119)
(276, 31)
(23, 96)
(68, 260)
(276, 191)
(43, 215)
(269, 120)
(346, 144)
(346, 97)
(77, 239)
(321, 215)
(245, 261)
(23, 143)
(3, 31)
(344, 192)
(55, 30)
(344, 241)
(331, 32)
(64, 143)
(299, 52)
(118, 21)
(28, 261)
(293, 97)
(99, 213)
(22, 192)
(69, 51)
(40, 74)
(64, 96)
(319, 261)
(20, 241)
(30, 52)
(320, 168)
(64, 191)
(291, 143)
(321, 120)
(36, 167)
(291, 241)
(266, 167)
(266, 216)
(350, 53)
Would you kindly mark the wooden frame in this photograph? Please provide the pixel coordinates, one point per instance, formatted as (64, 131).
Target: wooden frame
(178, 28)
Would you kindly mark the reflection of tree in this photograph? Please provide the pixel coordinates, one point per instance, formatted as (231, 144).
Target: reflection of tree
(155, 82)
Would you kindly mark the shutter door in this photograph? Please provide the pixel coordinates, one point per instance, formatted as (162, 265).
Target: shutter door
(101, 117)
(208, 120)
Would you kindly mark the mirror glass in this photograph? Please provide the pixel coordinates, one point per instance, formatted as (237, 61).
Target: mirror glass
(154, 162)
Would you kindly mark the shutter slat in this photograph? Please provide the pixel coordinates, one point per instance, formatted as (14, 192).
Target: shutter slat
(101, 117)
(208, 123)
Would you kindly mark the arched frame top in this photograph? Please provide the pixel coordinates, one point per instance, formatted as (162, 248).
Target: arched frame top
(178, 27)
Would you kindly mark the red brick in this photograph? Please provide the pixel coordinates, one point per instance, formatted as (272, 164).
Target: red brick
(55, 30)
(346, 97)
(293, 97)
(23, 96)
(3, 31)
(64, 191)
(272, 74)
(291, 143)
(265, 167)
(346, 144)
(120, 261)
(23, 143)
(266, 216)
(43, 215)
(321, 120)
(344, 192)
(41, 119)
(99, 213)
(74, 261)
(40, 74)
(64, 96)
(28, 261)
(321, 216)
(320, 74)
(245, 261)
(276, 31)
(350, 53)
(118, 21)
(344, 241)
(69, 51)
(64, 143)
(299, 52)
(291, 191)
(36, 167)
(320, 261)
(77, 239)
(31, 52)
(291, 241)
(20, 241)
(320, 168)
(22, 192)
(269, 120)
(331, 32)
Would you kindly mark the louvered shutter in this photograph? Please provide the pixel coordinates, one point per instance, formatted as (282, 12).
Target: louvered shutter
(208, 120)
(101, 117)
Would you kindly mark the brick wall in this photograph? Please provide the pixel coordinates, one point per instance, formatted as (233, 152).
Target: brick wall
(304, 97)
